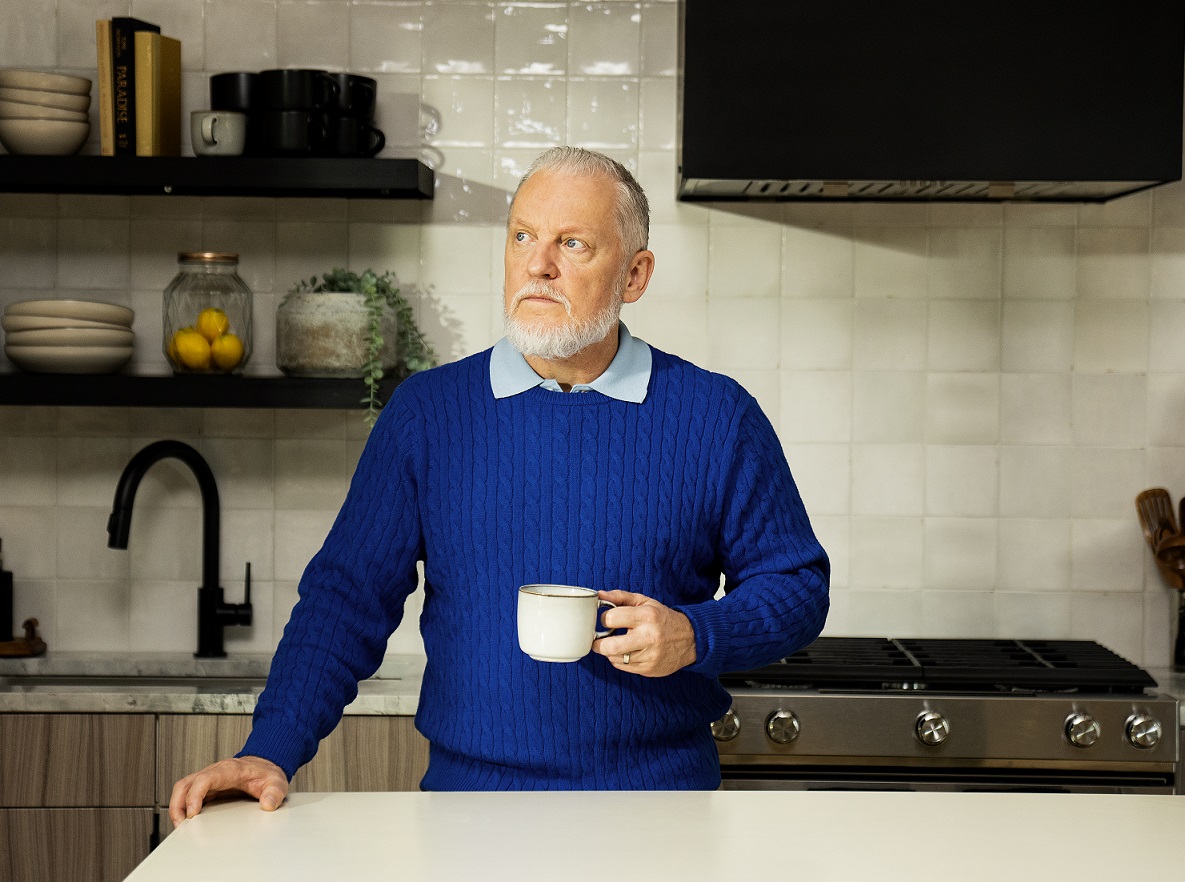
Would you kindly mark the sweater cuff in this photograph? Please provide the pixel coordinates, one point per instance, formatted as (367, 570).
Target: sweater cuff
(275, 744)
(711, 637)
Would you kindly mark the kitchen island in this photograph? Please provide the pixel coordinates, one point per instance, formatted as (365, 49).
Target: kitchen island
(659, 836)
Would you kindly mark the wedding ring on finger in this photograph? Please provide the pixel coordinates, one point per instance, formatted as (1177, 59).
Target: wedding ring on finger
(625, 659)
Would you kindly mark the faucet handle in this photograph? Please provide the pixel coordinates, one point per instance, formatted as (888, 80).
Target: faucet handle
(247, 585)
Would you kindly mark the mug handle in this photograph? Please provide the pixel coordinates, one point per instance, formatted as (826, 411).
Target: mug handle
(379, 144)
(602, 605)
(208, 131)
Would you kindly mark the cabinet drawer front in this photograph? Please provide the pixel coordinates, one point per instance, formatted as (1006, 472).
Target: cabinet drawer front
(93, 760)
(82, 845)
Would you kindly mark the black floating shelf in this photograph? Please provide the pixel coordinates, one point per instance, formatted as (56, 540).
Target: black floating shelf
(184, 390)
(348, 178)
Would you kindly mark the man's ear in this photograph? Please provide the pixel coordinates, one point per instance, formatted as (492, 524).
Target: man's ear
(638, 276)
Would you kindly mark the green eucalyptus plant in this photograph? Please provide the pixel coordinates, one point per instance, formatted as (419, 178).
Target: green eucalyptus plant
(378, 292)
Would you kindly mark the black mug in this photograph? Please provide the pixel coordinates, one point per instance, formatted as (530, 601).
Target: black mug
(292, 133)
(353, 137)
(234, 91)
(297, 89)
(356, 96)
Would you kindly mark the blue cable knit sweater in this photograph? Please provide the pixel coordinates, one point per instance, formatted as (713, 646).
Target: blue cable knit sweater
(580, 489)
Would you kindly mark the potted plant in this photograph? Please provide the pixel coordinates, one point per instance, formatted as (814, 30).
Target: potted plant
(349, 324)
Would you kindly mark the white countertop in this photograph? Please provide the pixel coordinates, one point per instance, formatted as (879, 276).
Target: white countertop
(655, 837)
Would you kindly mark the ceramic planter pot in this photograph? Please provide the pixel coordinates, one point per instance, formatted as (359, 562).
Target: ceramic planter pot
(325, 334)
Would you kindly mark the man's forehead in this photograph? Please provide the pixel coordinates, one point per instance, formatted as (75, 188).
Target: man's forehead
(563, 199)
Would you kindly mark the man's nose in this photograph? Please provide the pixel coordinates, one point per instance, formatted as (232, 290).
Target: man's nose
(542, 264)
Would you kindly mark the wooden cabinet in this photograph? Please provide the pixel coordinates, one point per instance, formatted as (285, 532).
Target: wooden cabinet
(55, 844)
(362, 753)
(83, 796)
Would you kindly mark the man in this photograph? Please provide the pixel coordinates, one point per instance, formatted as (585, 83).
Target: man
(569, 453)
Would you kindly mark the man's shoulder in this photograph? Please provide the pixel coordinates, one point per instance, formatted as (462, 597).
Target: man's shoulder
(675, 376)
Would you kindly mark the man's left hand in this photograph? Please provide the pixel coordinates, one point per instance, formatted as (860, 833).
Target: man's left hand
(657, 641)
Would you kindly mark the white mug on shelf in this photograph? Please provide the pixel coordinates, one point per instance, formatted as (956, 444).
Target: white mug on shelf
(217, 132)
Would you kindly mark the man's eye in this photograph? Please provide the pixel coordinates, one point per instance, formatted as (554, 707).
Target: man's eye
(572, 243)
(520, 237)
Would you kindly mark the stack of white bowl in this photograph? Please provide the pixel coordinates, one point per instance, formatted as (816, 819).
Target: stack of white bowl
(68, 336)
(43, 114)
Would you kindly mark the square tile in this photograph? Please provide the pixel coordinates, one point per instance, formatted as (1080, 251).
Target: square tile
(1037, 335)
(657, 114)
(888, 479)
(227, 21)
(891, 261)
(386, 37)
(1111, 335)
(888, 407)
(817, 263)
(1167, 263)
(1034, 482)
(603, 113)
(743, 333)
(744, 261)
(962, 481)
(660, 39)
(531, 39)
(960, 554)
(604, 39)
(886, 555)
(964, 263)
(964, 335)
(951, 614)
(1024, 616)
(1040, 263)
(1034, 554)
(1115, 620)
(466, 108)
(1035, 409)
(458, 38)
(962, 408)
(1106, 555)
(1165, 409)
(1104, 481)
(1113, 263)
(889, 335)
(93, 254)
(530, 112)
(1109, 410)
(817, 334)
(816, 406)
(823, 475)
(94, 615)
(30, 32)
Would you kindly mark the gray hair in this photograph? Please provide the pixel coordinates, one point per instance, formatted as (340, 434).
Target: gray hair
(633, 209)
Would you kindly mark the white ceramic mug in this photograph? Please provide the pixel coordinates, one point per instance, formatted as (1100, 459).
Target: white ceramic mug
(558, 623)
(217, 132)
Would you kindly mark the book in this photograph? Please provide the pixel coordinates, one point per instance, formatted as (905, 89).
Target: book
(106, 98)
(158, 94)
(123, 80)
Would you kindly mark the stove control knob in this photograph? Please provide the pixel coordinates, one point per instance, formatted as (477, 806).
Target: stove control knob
(1083, 730)
(782, 727)
(1143, 730)
(932, 728)
(727, 727)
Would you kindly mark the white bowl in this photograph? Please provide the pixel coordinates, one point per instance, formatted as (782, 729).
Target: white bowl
(47, 99)
(69, 359)
(91, 310)
(43, 137)
(21, 110)
(70, 337)
(17, 78)
(51, 322)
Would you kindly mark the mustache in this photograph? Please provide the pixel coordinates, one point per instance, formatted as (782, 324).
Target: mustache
(540, 288)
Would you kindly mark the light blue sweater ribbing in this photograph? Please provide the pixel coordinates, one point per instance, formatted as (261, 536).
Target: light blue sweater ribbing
(659, 498)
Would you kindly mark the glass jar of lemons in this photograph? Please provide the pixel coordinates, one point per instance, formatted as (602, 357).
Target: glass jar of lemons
(207, 315)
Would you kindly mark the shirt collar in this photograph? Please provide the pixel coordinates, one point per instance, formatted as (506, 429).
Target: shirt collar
(626, 379)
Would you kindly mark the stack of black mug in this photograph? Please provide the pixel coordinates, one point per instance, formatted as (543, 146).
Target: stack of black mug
(302, 112)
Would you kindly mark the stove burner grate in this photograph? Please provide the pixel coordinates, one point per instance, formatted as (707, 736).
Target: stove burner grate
(973, 665)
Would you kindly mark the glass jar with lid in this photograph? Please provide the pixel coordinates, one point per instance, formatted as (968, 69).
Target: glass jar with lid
(207, 315)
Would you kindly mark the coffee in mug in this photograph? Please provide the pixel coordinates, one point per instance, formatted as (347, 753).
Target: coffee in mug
(558, 623)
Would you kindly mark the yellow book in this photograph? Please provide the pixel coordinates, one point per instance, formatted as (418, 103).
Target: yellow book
(158, 94)
(106, 98)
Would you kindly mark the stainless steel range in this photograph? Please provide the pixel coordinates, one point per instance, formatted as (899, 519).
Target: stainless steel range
(933, 714)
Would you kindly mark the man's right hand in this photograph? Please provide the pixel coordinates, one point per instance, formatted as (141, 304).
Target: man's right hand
(251, 775)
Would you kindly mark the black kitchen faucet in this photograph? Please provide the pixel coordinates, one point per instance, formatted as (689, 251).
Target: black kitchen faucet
(213, 612)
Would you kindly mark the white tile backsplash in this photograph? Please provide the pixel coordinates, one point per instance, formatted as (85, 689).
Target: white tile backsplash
(970, 395)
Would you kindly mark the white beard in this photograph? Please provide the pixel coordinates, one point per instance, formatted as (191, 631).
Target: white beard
(552, 343)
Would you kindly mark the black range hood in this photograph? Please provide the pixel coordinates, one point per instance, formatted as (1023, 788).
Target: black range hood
(965, 100)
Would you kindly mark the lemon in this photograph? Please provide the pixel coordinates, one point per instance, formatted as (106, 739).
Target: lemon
(212, 323)
(193, 350)
(227, 352)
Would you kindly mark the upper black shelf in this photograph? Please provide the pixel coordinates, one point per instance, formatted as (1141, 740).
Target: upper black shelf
(184, 390)
(348, 178)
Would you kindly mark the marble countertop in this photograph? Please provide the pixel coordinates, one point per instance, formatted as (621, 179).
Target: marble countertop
(86, 682)
(177, 683)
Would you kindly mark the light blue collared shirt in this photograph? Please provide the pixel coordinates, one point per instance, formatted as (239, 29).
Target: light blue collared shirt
(626, 379)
